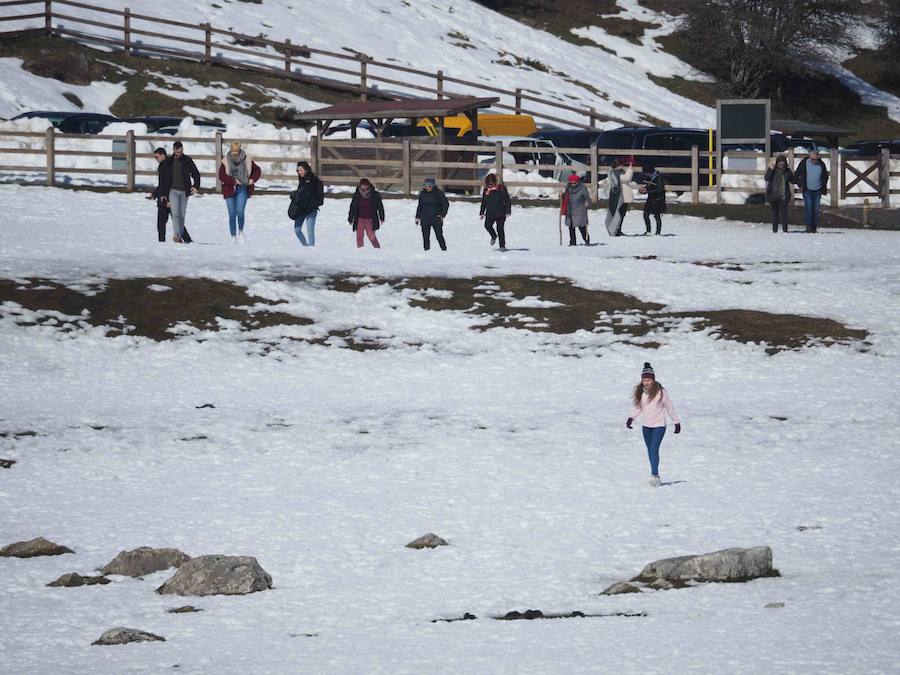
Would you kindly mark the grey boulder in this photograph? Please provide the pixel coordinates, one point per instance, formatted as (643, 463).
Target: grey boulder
(122, 636)
(727, 565)
(217, 575)
(73, 579)
(429, 540)
(620, 588)
(145, 560)
(33, 548)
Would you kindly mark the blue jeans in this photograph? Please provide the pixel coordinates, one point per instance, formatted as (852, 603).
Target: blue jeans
(236, 205)
(310, 219)
(653, 438)
(811, 199)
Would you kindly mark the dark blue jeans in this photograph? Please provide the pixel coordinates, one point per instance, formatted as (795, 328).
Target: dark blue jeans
(653, 438)
(811, 199)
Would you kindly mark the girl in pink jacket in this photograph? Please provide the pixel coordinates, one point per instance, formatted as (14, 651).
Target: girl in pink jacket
(653, 402)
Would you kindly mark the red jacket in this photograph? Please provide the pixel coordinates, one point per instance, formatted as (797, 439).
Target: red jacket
(228, 183)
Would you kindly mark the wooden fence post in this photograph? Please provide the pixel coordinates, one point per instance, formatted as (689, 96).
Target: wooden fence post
(129, 160)
(498, 160)
(440, 84)
(218, 153)
(48, 17)
(592, 121)
(407, 168)
(362, 78)
(50, 149)
(833, 178)
(314, 154)
(127, 31)
(885, 177)
(207, 42)
(518, 101)
(595, 169)
(695, 174)
(288, 56)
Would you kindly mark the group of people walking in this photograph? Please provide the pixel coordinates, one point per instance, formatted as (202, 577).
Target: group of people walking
(812, 179)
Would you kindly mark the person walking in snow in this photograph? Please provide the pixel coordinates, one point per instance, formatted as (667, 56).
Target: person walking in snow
(812, 177)
(238, 175)
(366, 212)
(575, 202)
(162, 202)
(620, 195)
(430, 213)
(652, 402)
(305, 203)
(654, 186)
(178, 180)
(778, 190)
(495, 209)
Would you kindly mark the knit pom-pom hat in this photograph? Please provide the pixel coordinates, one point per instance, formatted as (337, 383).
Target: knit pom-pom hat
(648, 371)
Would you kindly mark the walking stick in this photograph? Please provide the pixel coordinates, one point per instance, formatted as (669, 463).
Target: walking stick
(560, 219)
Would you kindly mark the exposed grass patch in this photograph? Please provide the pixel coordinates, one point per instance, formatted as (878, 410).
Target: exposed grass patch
(878, 68)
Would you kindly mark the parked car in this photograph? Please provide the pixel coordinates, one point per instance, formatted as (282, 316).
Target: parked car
(571, 138)
(527, 150)
(86, 123)
(51, 116)
(169, 124)
(870, 148)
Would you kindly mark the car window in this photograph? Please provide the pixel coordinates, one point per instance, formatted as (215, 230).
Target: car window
(686, 141)
(656, 142)
(612, 139)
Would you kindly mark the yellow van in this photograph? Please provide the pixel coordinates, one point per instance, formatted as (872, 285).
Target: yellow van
(489, 124)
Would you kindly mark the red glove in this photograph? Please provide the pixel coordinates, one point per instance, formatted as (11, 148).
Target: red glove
(678, 428)
(628, 422)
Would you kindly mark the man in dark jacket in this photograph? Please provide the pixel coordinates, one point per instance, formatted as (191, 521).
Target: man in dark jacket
(433, 206)
(812, 177)
(654, 186)
(177, 181)
(162, 202)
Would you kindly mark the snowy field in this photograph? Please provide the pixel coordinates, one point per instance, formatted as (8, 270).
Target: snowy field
(323, 461)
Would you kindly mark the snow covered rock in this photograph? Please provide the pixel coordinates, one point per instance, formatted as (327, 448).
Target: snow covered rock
(621, 587)
(122, 636)
(429, 540)
(6, 463)
(73, 579)
(186, 609)
(217, 575)
(33, 548)
(145, 560)
(730, 564)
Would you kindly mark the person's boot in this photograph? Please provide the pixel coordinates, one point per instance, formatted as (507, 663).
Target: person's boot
(658, 231)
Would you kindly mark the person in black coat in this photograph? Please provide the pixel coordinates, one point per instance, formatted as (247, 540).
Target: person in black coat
(305, 203)
(366, 212)
(654, 186)
(430, 213)
(164, 174)
(178, 180)
(778, 190)
(495, 208)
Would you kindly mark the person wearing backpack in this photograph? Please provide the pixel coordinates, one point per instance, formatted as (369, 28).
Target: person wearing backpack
(305, 203)
(495, 209)
(366, 212)
(430, 212)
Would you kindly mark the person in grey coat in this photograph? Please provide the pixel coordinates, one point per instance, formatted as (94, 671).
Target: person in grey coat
(575, 202)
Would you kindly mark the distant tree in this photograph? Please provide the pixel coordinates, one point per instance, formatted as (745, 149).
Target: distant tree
(758, 48)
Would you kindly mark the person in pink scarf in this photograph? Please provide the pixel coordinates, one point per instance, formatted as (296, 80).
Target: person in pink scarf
(366, 213)
(653, 403)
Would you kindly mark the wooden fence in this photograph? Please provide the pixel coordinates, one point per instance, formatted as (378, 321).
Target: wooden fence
(138, 33)
(399, 165)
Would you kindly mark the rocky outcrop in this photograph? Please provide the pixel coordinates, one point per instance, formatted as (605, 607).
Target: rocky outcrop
(145, 560)
(187, 609)
(73, 579)
(217, 575)
(33, 548)
(6, 463)
(122, 636)
(429, 540)
(621, 587)
(727, 565)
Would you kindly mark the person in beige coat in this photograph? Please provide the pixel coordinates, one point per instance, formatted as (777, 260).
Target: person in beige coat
(621, 194)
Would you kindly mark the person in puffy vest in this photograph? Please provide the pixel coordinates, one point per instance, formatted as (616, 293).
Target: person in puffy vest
(652, 402)
(366, 212)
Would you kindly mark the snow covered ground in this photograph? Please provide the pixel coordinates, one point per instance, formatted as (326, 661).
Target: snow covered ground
(323, 461)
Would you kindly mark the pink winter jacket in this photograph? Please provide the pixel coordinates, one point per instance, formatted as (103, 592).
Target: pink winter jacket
(654, 412)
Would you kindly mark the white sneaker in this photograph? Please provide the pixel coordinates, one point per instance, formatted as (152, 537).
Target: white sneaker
(233, 240)
(241, 237)
(654, 481)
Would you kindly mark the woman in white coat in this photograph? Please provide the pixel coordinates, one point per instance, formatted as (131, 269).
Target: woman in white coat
(621, 194)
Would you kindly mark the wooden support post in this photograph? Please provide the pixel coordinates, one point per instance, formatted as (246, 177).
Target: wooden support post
(592, 121)
(127, 31)
(48, 17)
(498, 160)
(288, 56)
(130, 156)
(207, 43)
(219, 154)
(314, 150)
(518, 101)
(695, 174)
(886, 177)
(595, 169)
(362, 79)
(407, 167)
(440, 84)
(50, 149)
(833, 177)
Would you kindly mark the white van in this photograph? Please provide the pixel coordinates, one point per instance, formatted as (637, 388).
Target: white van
(527, 150)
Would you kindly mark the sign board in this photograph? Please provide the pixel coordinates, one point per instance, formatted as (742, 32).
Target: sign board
(741, 122)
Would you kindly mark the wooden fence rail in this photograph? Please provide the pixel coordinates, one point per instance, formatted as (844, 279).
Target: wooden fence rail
(137, 33)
